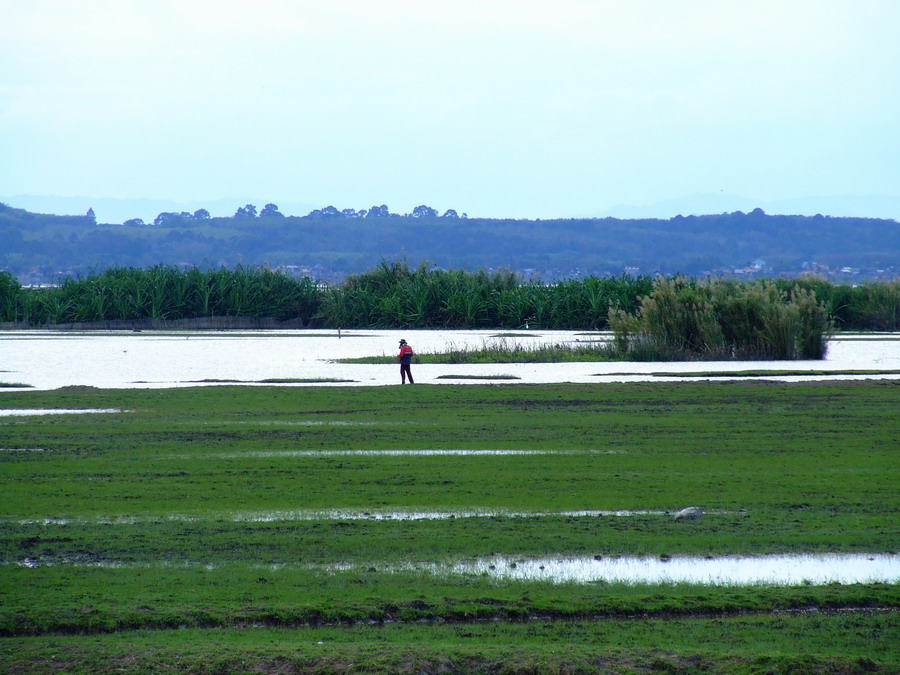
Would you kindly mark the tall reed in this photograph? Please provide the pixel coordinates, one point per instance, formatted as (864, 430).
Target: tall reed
(163, 292)
(394, 296)
(10, 292)
(673, 316)
(871, 305)
(683, 319)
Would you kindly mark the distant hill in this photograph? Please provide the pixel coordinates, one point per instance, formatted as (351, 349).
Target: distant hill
(870, 206)
(328, 243)
(110, 210)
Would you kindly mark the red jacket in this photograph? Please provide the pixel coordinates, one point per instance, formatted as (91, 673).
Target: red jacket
(405, 354)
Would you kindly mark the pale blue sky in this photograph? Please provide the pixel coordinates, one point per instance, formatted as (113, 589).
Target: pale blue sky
(518, 108)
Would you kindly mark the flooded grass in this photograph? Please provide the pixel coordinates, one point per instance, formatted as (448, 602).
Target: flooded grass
(772, 570)
(272, 507)
(478, 377)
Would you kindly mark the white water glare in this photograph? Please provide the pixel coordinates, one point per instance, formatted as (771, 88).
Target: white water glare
(844, 568)
(780, 570)
(28, 412)
(157, 359)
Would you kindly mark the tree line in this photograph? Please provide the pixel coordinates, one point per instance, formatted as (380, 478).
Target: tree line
(249, 211)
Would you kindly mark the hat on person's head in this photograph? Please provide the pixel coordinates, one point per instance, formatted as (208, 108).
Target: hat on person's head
(402, 342)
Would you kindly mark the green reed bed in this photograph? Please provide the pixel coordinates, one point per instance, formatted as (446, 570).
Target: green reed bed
(392, 295)
(870, 305)
(163, 292)
(238, 516)
(663, 320)
(682, 319)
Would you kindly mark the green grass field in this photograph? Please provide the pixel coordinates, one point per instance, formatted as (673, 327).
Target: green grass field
(223, 529)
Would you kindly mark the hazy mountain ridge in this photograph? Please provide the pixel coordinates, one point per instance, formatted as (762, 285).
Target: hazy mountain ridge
(844, 206)
(329, 244)
(112, 210)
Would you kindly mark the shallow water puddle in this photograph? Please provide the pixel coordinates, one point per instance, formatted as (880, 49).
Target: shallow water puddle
(430, 452)
(17, 412)
(387, 453)
(844, 568)
(340, 514)
(781, 569)
(331, 514)
(317, 423)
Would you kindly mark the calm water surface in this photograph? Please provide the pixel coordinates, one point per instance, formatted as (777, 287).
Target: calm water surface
(781, 570)
(844, 568)
(153, 359)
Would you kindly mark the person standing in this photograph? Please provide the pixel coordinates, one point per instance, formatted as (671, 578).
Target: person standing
(405, 356)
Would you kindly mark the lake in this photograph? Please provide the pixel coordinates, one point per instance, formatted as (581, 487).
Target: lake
(155, 359)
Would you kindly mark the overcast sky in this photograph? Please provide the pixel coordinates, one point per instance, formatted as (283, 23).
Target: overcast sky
(519, 108)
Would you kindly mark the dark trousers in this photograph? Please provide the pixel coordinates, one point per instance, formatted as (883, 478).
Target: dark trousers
(404, 373)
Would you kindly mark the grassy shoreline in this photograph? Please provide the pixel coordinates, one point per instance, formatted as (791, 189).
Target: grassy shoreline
(505, 351)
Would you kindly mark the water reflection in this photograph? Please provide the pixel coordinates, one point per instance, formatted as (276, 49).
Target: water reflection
(780, 570)
(844, 568)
